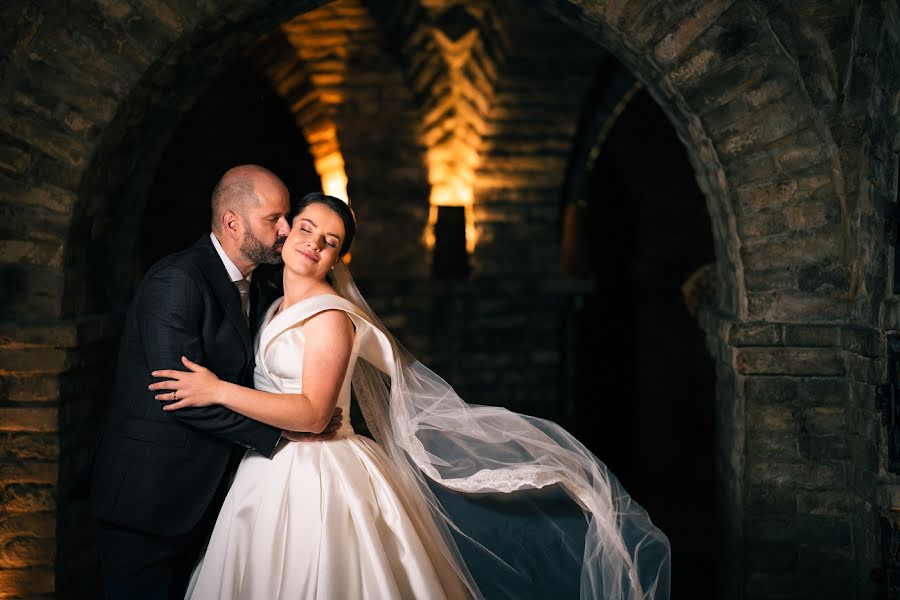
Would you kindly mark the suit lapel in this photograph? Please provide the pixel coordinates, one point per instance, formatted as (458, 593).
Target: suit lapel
(224, 289)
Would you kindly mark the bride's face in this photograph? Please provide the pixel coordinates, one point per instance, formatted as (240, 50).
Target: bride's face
(314, 242)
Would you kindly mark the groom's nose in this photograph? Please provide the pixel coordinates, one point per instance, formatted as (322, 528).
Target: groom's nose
(284, 228)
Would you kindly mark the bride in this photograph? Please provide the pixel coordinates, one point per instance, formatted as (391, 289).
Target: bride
(454, 501)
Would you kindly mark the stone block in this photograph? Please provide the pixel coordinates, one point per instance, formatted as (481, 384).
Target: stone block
(40, 525)
(33, 359)
(770, 280)
(796, 306)
(763, 419)
(822, 208)
(45, 137)
(772, 87)
(866, 370)
(812, 335)
(800, 152)
(45, 196)
(797, 250)
(825, 447)
(14, 160)
(769, 124)
(28, 446)
(30, 223)
(693, 69)
(674, 45)
(811, 530)
(28, 419)
(27, 497)
(789, 361)
(751, 168)
(29, 472)
(32, 252)
(823, 278)
(771, 557)
(31, 291)
(772, 390)
(722, 116)
(825, 503)
(763, 223)
(27, 551)
(24, 583)
(779, 192)
(822, 391)
(801, 475)
(756, 334)
(825, 420)
(828, 585)
(115, 10)
(29, 388)
(782, 446)
(100, 104)
(771, 501)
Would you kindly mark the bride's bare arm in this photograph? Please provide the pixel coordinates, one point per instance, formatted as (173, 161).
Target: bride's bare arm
(328, 343)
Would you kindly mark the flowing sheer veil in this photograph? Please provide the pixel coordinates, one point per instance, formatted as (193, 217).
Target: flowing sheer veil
(497, 484)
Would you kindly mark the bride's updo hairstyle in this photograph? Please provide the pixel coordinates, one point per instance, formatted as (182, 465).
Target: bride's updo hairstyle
(337, 205)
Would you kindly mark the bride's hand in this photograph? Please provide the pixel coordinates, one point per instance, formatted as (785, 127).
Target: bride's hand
(197, 387)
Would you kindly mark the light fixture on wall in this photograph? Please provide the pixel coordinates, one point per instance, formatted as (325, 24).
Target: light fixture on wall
(450, 231)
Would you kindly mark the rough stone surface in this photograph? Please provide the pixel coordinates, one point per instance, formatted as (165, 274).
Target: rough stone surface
(788, 113)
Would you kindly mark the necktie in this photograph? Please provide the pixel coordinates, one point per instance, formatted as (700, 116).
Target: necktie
(243, 287)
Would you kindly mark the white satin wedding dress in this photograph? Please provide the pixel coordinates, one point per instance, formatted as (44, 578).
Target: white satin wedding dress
(326, 520)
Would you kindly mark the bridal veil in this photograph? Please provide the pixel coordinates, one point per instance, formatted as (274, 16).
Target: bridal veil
(522, 507)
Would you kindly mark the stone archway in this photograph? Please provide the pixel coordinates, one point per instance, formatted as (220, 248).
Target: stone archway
(761, 110)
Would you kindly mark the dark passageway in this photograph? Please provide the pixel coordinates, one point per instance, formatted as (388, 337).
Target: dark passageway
(646, 381)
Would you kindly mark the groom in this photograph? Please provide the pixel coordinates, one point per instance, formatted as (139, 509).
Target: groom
(159, 477)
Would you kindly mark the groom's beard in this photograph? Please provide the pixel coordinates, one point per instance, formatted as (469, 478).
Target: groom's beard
(255, 251)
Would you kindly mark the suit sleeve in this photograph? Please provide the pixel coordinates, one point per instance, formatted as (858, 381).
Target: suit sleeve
(170, 319)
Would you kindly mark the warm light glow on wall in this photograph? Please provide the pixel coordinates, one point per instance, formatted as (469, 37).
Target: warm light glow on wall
(454, 122)
(428, 238)
(452, 193)
(451, 172)
(334, 183)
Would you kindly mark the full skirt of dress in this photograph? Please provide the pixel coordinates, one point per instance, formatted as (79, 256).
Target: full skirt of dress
(322, 520)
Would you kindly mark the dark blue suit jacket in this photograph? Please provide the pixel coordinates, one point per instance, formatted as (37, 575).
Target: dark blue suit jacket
(157, 471)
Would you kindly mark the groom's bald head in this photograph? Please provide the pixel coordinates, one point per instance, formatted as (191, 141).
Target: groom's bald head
(239, 189)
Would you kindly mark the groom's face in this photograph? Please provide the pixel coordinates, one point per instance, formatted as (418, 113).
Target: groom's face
(265, 224)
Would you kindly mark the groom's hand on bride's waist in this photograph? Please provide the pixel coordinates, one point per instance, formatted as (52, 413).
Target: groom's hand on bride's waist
(328, 433)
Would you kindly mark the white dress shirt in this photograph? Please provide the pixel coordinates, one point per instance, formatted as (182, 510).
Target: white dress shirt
(233, 271)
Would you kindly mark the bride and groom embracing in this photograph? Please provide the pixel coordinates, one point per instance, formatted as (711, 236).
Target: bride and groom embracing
(226, 468)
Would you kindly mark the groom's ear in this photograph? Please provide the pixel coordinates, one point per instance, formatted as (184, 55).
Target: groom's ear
(231, 224)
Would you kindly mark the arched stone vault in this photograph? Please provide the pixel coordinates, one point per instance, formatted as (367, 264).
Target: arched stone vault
(674, 50)
(791, 129)
(735, 116)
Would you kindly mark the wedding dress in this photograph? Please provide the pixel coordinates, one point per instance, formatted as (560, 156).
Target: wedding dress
(455, 500)
(326, 520)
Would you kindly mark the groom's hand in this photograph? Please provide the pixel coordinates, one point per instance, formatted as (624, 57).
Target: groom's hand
(327, 433)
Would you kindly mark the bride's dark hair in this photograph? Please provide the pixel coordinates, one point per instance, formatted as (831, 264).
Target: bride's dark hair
(337, 205)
